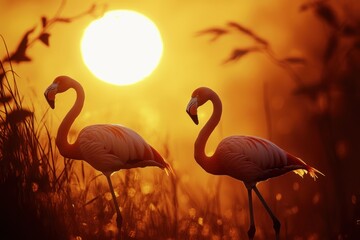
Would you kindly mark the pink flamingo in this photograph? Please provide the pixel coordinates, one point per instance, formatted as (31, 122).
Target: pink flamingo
(106, 147)
(246, 158)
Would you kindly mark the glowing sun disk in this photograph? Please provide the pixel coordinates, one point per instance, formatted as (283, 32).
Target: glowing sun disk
(122, 47)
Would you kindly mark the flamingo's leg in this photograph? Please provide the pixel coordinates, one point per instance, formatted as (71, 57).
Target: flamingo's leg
(276, 222)
(119, 217)
(252, 229)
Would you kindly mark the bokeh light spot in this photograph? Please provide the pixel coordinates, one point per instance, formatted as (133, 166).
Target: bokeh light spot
(316, 198)
(341, 149)
(192, 213)
(353, 199)
(296, 186)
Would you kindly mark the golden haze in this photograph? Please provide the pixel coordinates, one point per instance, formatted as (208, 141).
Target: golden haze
(155, 107)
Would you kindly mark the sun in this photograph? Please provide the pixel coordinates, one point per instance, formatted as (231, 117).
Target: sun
(122, 48)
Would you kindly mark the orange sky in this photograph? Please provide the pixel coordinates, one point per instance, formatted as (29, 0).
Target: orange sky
(155, 107)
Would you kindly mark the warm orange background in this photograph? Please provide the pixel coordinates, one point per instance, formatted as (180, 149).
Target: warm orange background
(155, 107)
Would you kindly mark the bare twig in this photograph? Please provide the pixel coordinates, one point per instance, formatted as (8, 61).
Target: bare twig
(19, 55)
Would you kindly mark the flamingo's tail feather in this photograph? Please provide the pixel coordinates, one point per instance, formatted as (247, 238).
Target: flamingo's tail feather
(168, 169)
(162, 162)
(300, 172)
(313, 171)
(304, 168)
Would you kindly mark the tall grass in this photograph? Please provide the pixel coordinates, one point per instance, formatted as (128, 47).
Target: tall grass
(27, 171)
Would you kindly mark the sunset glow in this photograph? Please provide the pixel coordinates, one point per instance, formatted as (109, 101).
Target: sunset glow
(123, 47)
(180, 120)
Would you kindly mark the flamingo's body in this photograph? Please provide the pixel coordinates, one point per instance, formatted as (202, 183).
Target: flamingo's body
(246, 158)
(106, 147)
(253, 159)
(119, 148)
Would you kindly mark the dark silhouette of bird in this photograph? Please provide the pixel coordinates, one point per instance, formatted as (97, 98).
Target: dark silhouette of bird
(246, 158)
(106, 147)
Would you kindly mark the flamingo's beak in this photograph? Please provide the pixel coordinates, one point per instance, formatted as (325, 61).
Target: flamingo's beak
(51, 103)
(191, 109)
(194, 118)
(50, 93)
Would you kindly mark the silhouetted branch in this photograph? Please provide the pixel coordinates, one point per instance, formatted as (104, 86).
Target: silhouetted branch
(20, 54)
(327, 14)
(44, 34)
(285, 64)
(238, 53)
(217, 32)
(248, 32)
(324, 11)
(260, 45)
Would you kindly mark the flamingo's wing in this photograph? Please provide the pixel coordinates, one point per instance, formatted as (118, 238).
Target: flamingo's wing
(109, 148)
(251, 159)
(261, 152)
(275, 161)
(245, 169)
(264, 153)
(240, 167)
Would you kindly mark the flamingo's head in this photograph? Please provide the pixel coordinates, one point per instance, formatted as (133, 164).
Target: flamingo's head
(191, 109)
(59, 85)
(198, 98)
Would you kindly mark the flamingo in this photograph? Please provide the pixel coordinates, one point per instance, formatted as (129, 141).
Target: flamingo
(246, 158)
(106, 147)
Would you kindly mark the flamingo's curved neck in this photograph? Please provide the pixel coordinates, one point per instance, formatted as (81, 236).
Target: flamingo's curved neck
(66, 149)
(209, 164)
